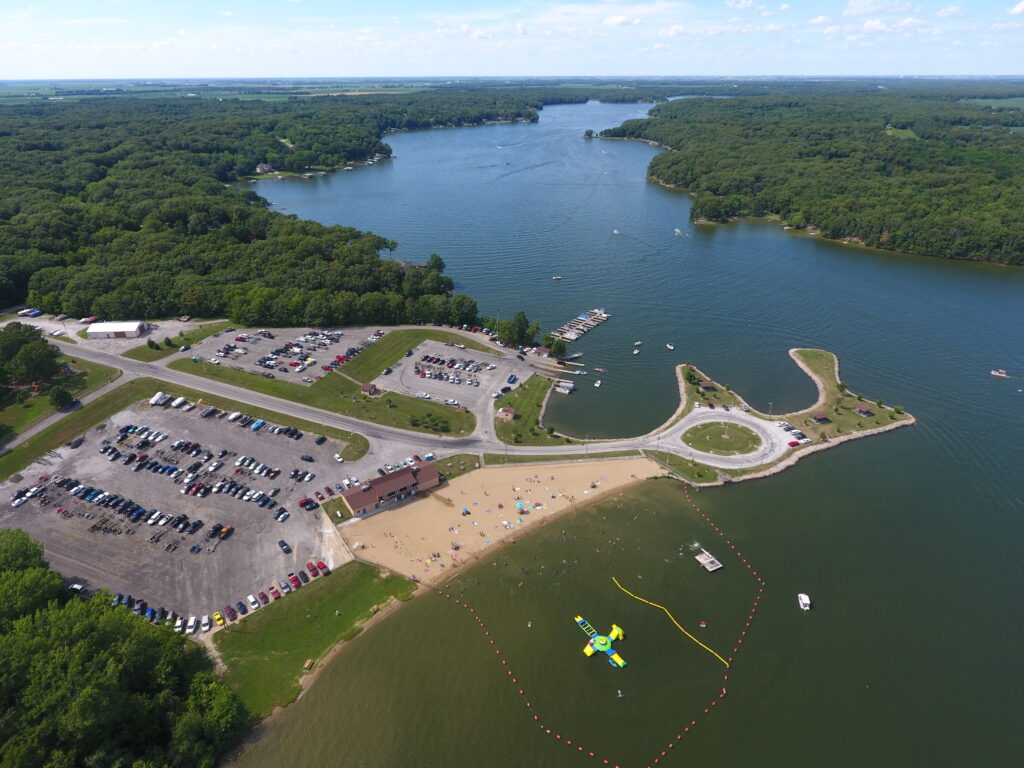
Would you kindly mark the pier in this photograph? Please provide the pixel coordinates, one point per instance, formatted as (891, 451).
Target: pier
(580, 324)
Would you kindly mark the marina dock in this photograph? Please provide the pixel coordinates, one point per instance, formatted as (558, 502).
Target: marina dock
(581, 324)
(564, 386)
(708, 560)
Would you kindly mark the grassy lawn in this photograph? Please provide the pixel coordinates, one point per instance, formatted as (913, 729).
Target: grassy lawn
(839, 404)
(693, 471)
(82, 333)
(340, 394)
(453, 466)
(902, 133)
(384, 353)
(722, 438)
(265, 652)
(491, 459)
(106, 405)
(527, 399)
(148, 355)
(88, 376)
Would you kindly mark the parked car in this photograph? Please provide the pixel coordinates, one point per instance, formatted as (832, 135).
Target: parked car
(284, 547)
(323, 567)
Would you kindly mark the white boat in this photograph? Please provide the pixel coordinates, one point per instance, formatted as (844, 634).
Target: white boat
(636, 351)
(556, 277)
(601, 370)
(804, 601)
(998, 372)
(670, 347)
(679, 232)
(637, 343)
(597, 383)
(616, 232)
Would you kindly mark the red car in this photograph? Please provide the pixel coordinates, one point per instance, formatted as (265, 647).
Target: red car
(330, 491)
(793, 443)
(263, 597)
(274, 593)
(230, 613)
(312, 569)
(323, 567)
(325, 367)
(319, 496)
(294, 363)
(294, 581)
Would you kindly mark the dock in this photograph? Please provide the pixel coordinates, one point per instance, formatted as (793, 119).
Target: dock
(708, 560)
(581, 324)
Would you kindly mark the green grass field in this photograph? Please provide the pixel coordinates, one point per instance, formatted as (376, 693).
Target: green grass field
(1012, 102)
(527, 399)
(148, 354)
(340, 394)
(723, 438)
(109, 403)
(492, 459)
(902, 133)
(265, 652)
(369, 364)
(693, 471)
(88, 376)
(459, 464)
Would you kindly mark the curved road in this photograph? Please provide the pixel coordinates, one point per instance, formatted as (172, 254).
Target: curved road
(390, 443)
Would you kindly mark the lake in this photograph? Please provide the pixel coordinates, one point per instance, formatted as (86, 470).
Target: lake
(908, 542)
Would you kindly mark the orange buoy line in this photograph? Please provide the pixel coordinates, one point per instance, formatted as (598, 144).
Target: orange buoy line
(683, 731)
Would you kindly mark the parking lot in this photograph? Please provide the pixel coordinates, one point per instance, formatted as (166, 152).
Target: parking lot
(298, 355)
(458, 386)
(189, 573)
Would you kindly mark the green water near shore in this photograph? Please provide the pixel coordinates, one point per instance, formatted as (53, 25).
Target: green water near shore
(909, 542)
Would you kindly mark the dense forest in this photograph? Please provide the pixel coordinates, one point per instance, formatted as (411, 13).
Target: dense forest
(85, 684)
(916, 170)
(125, 207)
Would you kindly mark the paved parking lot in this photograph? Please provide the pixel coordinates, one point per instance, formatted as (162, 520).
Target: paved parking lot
(99, 548)
(478, 399)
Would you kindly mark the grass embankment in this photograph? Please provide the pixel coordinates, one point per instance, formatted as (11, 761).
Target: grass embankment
(265, 652)
(88, 376)
(500, 458)
(839, 404)
(109, 403)
(525, 429)
(388, 350)
(722, 438)
(692, 471)
(454, 466)
(339, 394)
(82, 334)
(718, 396)
(148, 355)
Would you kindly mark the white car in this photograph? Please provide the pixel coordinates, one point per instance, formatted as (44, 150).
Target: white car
(253, 602)
(193, 624)
(337, 458)
(215, 361)
(179, 625)
(205, 626)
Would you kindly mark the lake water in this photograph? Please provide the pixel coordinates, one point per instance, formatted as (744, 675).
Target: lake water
(909, 542)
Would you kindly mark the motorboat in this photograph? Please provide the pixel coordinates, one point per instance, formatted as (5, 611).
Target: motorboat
(636, 351)
(556, 277)
(616, 232)
(637, 343)
(804, 601)
(601, 370)
(597, 383)
(670, 347)
(998, 372)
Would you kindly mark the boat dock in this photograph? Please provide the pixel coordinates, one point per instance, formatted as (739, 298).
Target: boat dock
(580, 324)
(708, 560)
(564, 386)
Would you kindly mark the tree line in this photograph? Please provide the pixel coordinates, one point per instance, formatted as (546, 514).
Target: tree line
(87, 684)
(916, 169)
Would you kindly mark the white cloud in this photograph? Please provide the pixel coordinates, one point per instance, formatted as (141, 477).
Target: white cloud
(820, 20)
(875, 25)
(88, 22)
(950, 10)
(226, 13)
(673, 31)
(784, 7)
(832, 31)
(1017, 9)
(861, 7)
(619, 21)
(741, 4)
(909, 22)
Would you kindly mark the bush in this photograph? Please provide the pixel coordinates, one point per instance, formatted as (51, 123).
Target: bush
(60, 397)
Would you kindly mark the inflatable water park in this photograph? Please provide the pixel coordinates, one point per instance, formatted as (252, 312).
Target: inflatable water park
(602, 643)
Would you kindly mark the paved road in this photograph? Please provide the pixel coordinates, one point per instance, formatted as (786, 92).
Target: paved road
(388, 443)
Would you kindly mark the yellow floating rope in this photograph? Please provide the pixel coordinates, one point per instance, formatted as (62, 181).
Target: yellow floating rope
(698, 642)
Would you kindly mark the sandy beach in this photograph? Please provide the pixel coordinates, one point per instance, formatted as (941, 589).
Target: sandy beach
(432, 537)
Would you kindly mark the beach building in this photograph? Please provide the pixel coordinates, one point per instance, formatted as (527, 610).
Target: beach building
(820, 418)
(507, 413)
(126, 330)
(707, 386)
(262, 168)
(369, 389)
(863, 410)
(384, 491)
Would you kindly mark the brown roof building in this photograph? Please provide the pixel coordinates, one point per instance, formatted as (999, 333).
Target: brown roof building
(384, 491)
(369, 389)
(507, 413)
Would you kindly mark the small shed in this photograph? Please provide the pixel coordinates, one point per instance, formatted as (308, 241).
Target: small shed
(126, 330)
(820, 418)
(707, 386)
(507, 413)
(863, 410)
(369, 389)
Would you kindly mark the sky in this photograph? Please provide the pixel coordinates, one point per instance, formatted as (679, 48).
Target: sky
(446, 38)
